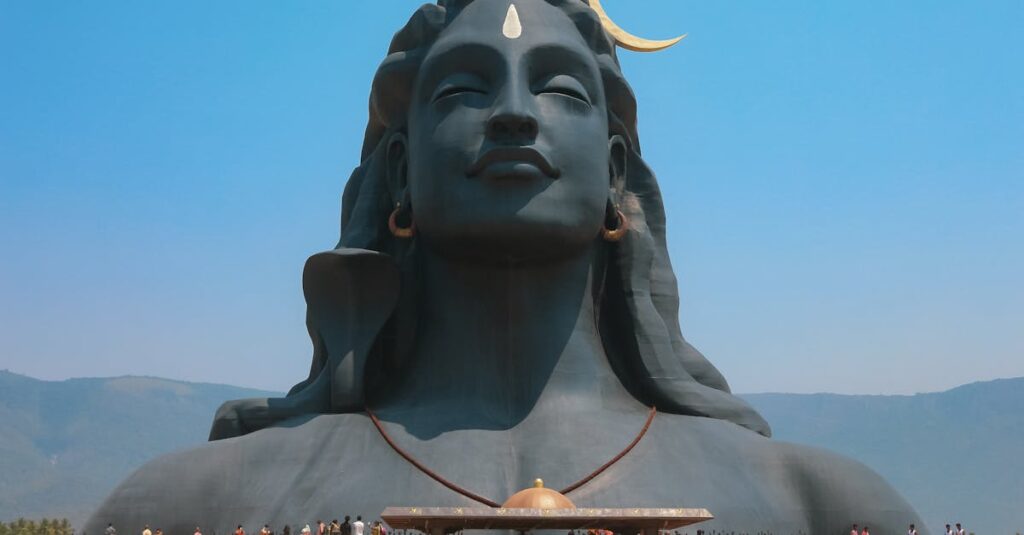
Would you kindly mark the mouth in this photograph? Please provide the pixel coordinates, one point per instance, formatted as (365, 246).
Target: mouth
(513, 158)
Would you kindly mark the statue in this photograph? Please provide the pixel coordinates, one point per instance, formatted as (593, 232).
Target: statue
(500, 308)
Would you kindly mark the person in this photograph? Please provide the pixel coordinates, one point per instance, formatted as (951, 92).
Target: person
(266, 530)
(503, 232)
(912, 530)
(239, 530)
(146, 530)
(854, 530)
(377, 529)
(959, 529)
(287, 530)
(335, 527)
(320, 527)
(306, 530)
(110, 529)
(197, 532)
(357, 526)
(949, 530)
(159, 531)
(346, 526)
(865, 531)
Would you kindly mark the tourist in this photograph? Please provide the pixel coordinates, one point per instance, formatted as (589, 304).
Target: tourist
(239, 530)
(357, 526)
(854, 530)
(197, 531)
(320, 527)
(146, 531)
(335, 527)
(346, 526)
(159, 531)
(949, 530)
(287, 530)
(377, 529)
(110, 530)
(912, 530)
(266, 530)
(865, 531)
(959, 530)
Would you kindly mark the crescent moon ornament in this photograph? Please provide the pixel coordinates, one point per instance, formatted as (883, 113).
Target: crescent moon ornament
(627, 40)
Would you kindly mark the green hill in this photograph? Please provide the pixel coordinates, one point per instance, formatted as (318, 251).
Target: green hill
(958, 456)
(65, 445)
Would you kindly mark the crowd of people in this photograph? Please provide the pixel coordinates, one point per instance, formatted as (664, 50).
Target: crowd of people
(347, 527)
(912, 530)
(358, 527)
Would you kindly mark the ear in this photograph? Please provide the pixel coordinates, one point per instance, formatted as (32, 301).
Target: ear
(397, 167)
(618, 154)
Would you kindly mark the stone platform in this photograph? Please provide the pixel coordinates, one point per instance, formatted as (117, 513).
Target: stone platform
(440, 520)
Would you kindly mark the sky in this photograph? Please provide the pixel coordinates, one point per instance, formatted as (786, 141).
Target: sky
(844, 183)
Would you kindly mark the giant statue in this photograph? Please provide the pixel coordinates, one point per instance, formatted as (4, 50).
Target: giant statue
(500, 307)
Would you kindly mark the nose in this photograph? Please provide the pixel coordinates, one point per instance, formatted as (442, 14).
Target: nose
(513, 122)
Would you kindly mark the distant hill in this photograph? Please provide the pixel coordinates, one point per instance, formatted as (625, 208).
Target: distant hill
(65, 445)
(958, 456)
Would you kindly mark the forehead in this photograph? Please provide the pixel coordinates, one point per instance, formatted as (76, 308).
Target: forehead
(479, 26)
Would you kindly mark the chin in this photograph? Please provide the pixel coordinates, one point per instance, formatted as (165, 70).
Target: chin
(517, 241)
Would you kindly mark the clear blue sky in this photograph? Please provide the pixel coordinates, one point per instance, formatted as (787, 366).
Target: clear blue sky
(844, 181)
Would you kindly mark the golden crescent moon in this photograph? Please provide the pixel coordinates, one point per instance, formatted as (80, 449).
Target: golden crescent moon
(627, 40)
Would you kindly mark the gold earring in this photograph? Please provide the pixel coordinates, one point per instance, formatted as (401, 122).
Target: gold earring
(616, 234)
(397, 231)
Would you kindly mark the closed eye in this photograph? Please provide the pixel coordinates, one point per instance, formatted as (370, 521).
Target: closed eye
(565, 85)
(459, 84)
(456, 90)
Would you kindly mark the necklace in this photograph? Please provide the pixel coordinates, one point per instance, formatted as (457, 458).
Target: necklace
(491, 503)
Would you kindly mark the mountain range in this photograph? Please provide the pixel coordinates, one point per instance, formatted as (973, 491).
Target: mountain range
(957, 456)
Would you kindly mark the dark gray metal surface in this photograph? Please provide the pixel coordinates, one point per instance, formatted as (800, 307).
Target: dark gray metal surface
(506, 340)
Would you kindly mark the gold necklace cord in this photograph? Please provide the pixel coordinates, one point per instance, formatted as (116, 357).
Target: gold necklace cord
(491, 503)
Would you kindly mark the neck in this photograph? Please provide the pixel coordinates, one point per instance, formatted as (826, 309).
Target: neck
(501, 342)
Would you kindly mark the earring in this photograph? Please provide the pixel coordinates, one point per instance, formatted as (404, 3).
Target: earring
(616, 234)
(397, 231)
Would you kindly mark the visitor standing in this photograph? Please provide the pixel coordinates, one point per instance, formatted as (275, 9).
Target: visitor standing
(335, 527)
(110, 530)
(959, 529)
(358, 526)
(949, 530)
(346, 526)
(239, 530)
(146, 531)
(266, 530)
(912, 530)
(854, 531)
(866, 531)
(197, 531)
(321, 527)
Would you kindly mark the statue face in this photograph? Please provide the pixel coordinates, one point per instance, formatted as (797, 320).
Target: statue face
(508, 146)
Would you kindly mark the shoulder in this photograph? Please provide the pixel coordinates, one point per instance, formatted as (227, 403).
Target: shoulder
(839, 490)
(214, 472)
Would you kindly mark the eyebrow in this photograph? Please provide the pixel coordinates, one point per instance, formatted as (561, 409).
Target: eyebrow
(541, 55)
(483, 53)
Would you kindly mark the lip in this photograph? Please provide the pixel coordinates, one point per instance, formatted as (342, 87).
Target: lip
(514, 155)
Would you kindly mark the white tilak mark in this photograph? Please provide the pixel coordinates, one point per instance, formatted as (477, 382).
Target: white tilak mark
(512, 27)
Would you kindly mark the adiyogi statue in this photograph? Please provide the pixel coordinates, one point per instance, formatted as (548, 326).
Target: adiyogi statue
(501, 307)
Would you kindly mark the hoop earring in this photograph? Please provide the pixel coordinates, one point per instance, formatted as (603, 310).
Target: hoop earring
(397, 231)
(616, 234)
